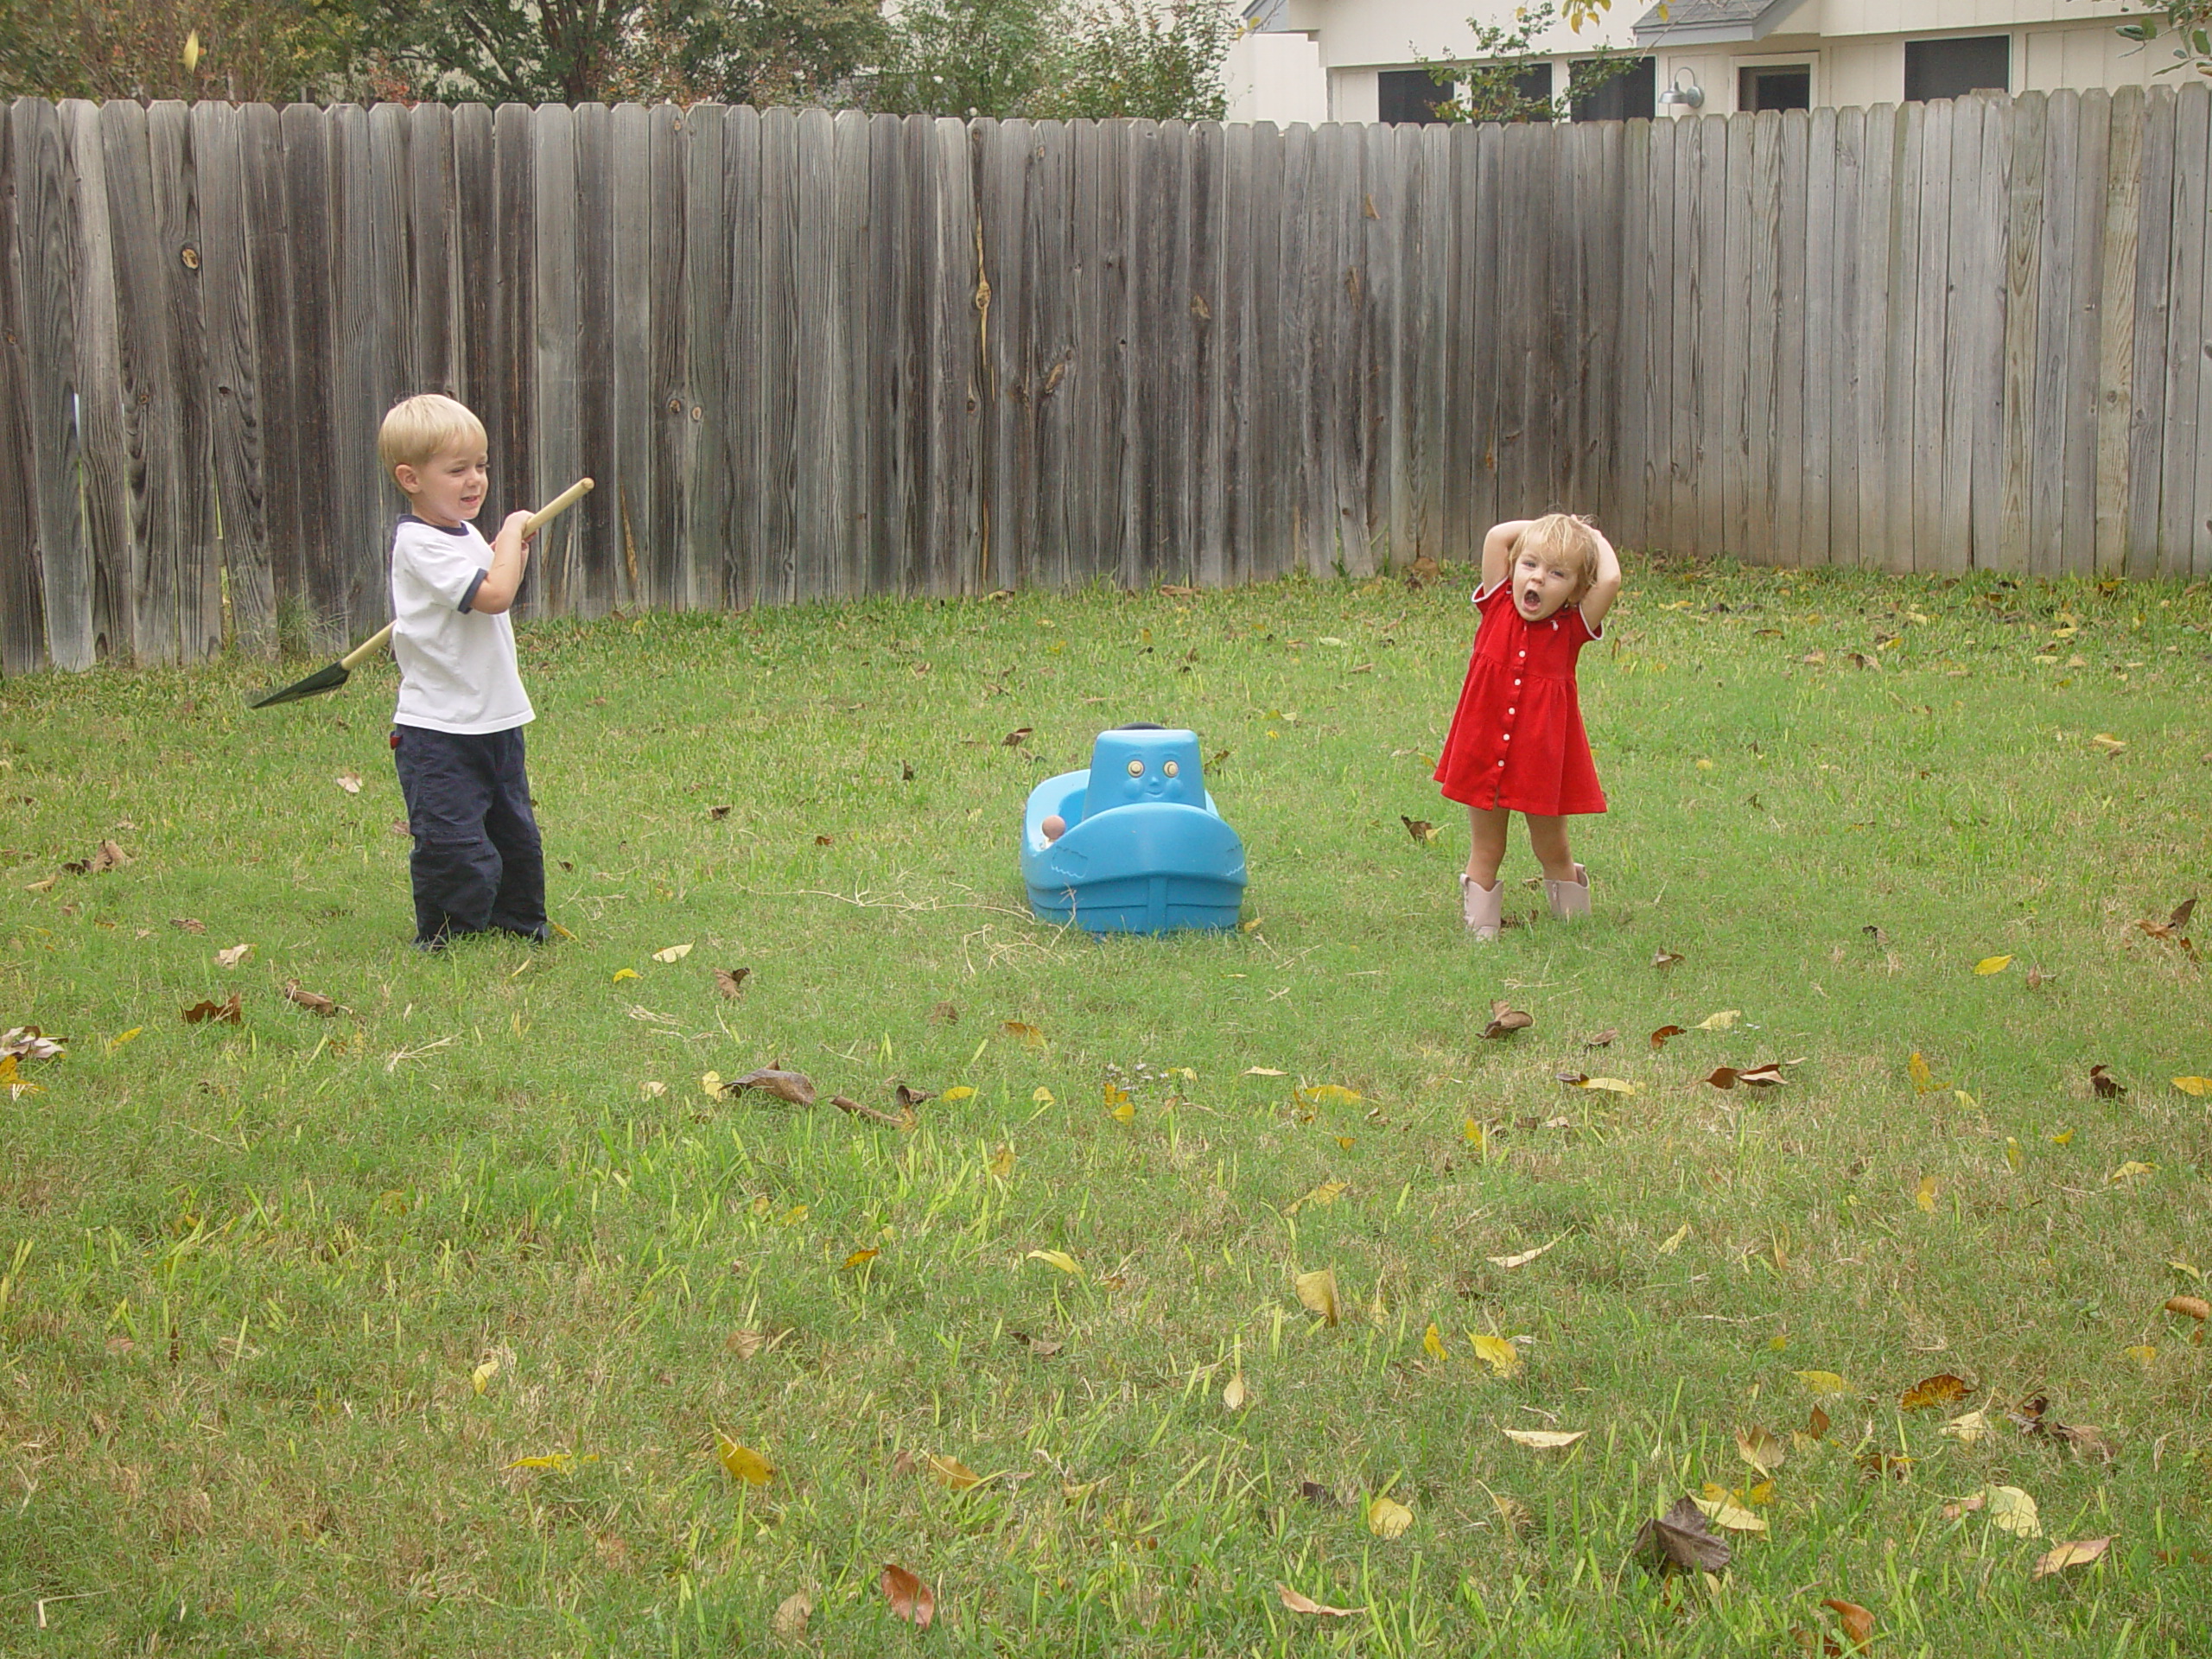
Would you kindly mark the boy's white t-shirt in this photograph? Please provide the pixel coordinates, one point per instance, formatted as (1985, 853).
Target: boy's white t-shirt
(456, 667)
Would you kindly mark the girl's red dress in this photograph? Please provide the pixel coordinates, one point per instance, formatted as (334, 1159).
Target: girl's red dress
(1516, 739)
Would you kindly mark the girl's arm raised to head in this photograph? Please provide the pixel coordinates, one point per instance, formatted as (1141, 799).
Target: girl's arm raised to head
(1605, 587)
(1498, 550)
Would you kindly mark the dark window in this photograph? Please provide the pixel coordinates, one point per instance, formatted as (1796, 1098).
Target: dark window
(1626, 95)
(1954, 68)
(1409, 95)
(1786, 86)
(1534, 85)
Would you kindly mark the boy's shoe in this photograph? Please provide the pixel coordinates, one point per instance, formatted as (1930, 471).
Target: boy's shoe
(1569, 899)
(1484, 908)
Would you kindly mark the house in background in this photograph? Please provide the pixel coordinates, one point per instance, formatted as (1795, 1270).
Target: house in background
(1361, 60)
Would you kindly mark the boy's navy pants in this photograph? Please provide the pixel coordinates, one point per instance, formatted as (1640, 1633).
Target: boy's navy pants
(477, 863)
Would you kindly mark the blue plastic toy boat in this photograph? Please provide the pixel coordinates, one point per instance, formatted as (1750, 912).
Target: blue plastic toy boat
(1145, 849)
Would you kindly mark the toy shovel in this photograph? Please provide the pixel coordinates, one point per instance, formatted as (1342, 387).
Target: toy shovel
(330, 678)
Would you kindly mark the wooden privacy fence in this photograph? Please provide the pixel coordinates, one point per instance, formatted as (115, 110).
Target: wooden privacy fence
(814, 355)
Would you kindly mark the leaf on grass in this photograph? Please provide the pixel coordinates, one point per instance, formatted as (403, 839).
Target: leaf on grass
(1262, 1072)
(1600, 1039)
(789, 1620)
(1675, 1240)
(1941, 1389)
(2108, 743)
(1858, 1622)
(1923, 1080)
(1431, 1342)
(1763, 1449)
(1659, 1037)
(1317, 1291)
(1924, 1194)
(1497, 1352)
(480, 1379)
(14, 1081)
(950, 1471)
(2199, 1086)
(350, 782)
(1682, 1540)
(1823, 1383)
(860, 1259)
(1233, 1394)
(1723, 1020)
(1387, 1518)
(228, 1011)
(1524, 1258)
(1301, 1604)
(1419, 829)
(1611, 1085)
(672, 953)
(1016, 738)
(2130, 1170)
(235, 954)
(1720, 1509)
(1970, 1429)
(29, 1043)
(1989, 965)
(2010, 1509)
(1320, 1198)
(188, 923)
(909, 1598)
(2194, 1307)
(1544, 1439)
(1030, 1036)
(1664, 958)
(1059, 1259)
(2104, 1085)
(743, 1462)
(621, 974)
(1505, 1021)
(959, 1091)
(729, 981)
(1327, 1094)
(2078, 1552)
(792, 1088)
(560, 1461)
(2142, 1353)
(312, 1002)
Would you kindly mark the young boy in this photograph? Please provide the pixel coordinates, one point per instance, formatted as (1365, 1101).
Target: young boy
(457, 733)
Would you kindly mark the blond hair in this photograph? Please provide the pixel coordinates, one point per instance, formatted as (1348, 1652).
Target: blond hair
(1562, 540)
(417, 430)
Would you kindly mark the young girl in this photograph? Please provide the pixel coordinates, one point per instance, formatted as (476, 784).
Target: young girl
(1516, 743)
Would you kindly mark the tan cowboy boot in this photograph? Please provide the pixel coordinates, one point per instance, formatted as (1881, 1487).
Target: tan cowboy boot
(1483, 907)
(1569, 899)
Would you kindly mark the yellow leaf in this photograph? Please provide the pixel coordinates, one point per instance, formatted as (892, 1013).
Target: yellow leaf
(789, 1620)
(1002, 1164)
(1317, 1291)
(2187, 1085)
(2064, 1138)
(2130, 1170)
(2108, 743)
(1611, 1085)
(1041, 1095)
(480, 1379)
(1674, 1240)
(1320, 1198)
(1720, 1022)
(551, 1460)
(673, 953)
(1059, 1259)
(1704, 765)
(1497, 1352)
(1723, 1511)
(711, 1086)
(1233, 1395)
(1116, 1094)
(1989, 965)
(792, 1217)
(191, 51)
(959, 1091)
(1969, 1429)
(1262, 1072)
(1544, 1439)
(1925, 1197)
(1923, 1080)
(1471, 1133)
(954, 1473)
(2010, 1509)
(1345, 1141)
(2012, 1154)
(1522, 1258)
(1431, 1343)
(2143, 1353)
(1823, 1383)
(861, 1258)
(1124, 1113)
(1387, 1518)
(743, 1462)
(117, 1041)
(1029, 1034)
(1328, 1094)
(1762, 1492)
(621, 974)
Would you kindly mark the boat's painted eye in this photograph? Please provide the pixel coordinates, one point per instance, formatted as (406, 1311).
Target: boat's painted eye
(1171, 769)
(1136, 768)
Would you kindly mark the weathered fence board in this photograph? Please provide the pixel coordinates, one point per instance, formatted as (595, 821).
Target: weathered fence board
(811, 356)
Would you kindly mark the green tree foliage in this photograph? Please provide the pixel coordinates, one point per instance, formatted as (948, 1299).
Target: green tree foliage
(2190, 23)
(1057, 58)
(1489, 83)
(270, 50)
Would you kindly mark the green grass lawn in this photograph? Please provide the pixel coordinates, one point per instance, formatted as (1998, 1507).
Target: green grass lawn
(418, 1328)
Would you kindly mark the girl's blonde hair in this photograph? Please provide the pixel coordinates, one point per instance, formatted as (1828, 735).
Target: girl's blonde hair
(1566, 540)
(417, 430)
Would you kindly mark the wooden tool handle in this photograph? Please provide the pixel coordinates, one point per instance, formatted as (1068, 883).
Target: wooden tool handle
(368, 648)
(559, 505)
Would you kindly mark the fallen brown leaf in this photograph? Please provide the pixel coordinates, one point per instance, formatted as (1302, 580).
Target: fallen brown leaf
(2104, 1085)
(1763, 1449)
(1858, 1622)
(1299, 1604)
(718, 813)
(188, 923)
(1663, 958)
(1600, 1039)
(1681, 1539)
(730, 980)
(2195, 1307)
(228, 1011)
(312, 1002)
(1016, 738)
(1505, 1021)
(1659, 1037)
(1941, 1389)
(1029, 1034)
(2078, 1552)
(794, 1088)
(235, 954)
(911, 1599)
(350, 782)
(943, 1014)
(792, 1613)
(1419, 829)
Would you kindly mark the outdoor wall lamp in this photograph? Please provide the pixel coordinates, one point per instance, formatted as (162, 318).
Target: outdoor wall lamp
(1690, 97)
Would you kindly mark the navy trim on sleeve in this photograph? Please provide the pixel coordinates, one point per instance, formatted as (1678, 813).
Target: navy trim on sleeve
(469, 598)
(449, 530)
